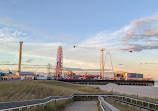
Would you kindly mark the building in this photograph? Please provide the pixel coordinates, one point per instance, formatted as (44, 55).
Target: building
(128, 76)
(25, 75)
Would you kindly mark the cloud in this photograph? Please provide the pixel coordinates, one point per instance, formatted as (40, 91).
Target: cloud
(153, 32)
(47, 51)
(29, 60)
(120, 64)
(102, 39)
(63, 37)
(81, 69)
(142, 34)
(12, 35)
(28, 67)
(149, 63)
(35, 43)
(37, 33)
(138, 47)
(6, 21)
(79, 62)
(8, 64)
(141, 29)
(4, 62)
(151, 40)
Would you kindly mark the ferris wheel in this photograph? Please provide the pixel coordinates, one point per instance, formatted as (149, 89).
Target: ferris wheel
(59, 64)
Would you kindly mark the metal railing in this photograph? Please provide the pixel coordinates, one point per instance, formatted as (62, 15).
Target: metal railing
(105, 106)
(140, 103)
(8, 106)
(149, 105)
(134, 101)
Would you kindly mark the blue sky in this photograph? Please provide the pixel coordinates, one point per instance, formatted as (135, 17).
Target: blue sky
(76, 17)
(44, 25)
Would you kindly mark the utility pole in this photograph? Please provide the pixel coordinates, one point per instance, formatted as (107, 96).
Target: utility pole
(49, 69)
(20, 56)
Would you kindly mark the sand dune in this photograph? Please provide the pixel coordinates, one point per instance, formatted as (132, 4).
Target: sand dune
(143, 91)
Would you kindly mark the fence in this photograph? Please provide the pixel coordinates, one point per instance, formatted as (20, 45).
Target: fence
(8, 106)
(141, 103)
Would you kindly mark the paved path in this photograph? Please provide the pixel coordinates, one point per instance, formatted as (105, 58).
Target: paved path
(82, 106)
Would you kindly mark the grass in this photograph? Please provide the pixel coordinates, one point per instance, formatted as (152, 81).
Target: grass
(136, 96)
(146, 98)
(52, 106)
(27, 90)
(121, 106)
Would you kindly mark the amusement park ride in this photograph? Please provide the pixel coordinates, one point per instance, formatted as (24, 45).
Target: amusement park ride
(117, 75)
(59, 63)
(102, 61)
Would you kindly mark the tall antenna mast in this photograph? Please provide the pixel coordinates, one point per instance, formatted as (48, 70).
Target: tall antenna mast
(49, 68)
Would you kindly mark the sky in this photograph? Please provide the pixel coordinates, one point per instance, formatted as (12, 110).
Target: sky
(117, 26)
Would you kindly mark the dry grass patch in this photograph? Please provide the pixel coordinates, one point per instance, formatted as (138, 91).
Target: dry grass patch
(27, 90)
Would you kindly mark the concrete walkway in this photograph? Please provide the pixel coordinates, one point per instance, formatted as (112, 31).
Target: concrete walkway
(82, 106)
